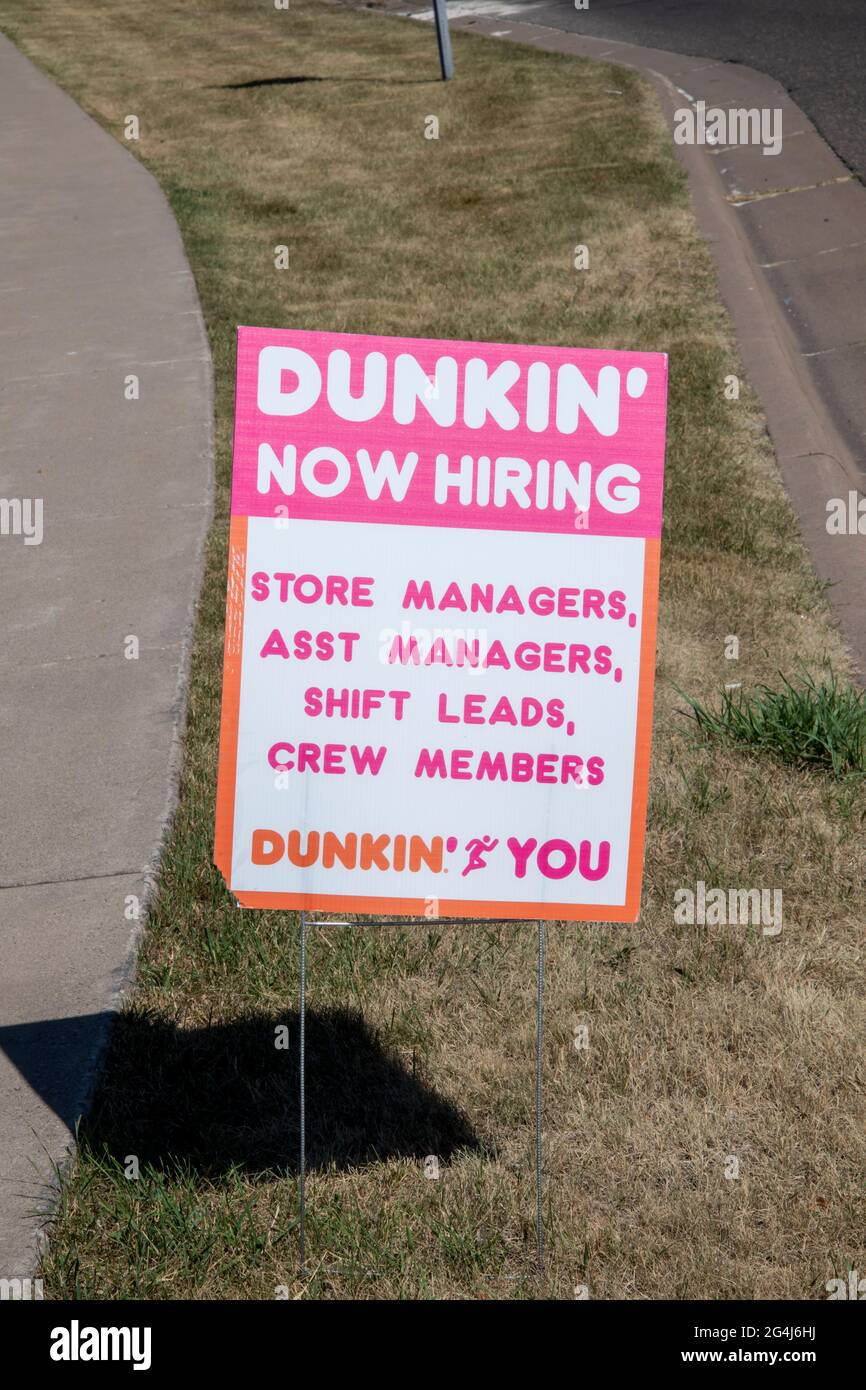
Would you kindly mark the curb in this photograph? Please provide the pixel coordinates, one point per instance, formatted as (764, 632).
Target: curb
(788, 237)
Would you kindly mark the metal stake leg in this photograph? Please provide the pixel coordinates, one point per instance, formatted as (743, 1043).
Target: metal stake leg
(539, 1055)
(539, 1048)
(302, 1096)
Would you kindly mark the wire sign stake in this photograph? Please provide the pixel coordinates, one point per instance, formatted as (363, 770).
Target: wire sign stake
(539, 1058)
(302, 1096)
(302, 1089)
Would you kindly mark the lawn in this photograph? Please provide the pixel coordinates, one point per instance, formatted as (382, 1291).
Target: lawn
(704, 1124)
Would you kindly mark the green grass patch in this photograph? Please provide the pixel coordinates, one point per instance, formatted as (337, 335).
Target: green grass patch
(807, 723)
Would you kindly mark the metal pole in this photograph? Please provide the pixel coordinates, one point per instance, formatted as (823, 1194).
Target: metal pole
(539, 1048)
(443, 38)
(303, 1108)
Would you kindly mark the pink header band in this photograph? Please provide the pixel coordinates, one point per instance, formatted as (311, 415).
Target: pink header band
(634, 405)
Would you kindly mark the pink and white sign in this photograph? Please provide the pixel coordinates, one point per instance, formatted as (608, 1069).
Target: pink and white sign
(440, 635)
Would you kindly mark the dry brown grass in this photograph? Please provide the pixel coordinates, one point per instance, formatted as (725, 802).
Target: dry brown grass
(703, 1042)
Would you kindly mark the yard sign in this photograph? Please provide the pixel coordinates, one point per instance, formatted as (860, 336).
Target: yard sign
(440, 629)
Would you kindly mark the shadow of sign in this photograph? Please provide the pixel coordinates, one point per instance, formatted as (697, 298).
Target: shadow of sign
(226, 1096)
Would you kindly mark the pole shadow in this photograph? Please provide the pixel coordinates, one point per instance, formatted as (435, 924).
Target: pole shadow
(225, 1096)
(298, 80)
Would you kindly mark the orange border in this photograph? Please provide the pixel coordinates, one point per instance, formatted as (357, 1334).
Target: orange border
(644, 729)
(227, 769)
(628, 911)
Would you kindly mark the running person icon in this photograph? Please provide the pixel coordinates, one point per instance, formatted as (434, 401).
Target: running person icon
(478, 848)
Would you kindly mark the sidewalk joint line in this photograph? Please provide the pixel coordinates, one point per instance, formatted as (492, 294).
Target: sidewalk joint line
(93, 370)
(838, 347)
(825, 251)
(82, 878)
(95, 656)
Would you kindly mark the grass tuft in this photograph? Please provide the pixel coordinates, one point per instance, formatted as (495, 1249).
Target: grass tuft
(806, 724)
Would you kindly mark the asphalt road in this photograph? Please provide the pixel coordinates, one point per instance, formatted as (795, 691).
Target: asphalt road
(815, 48)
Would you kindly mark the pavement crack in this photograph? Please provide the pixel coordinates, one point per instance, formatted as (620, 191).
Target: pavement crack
(738, 199)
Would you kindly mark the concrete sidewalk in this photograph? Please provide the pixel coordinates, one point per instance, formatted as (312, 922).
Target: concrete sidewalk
(94, 289)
